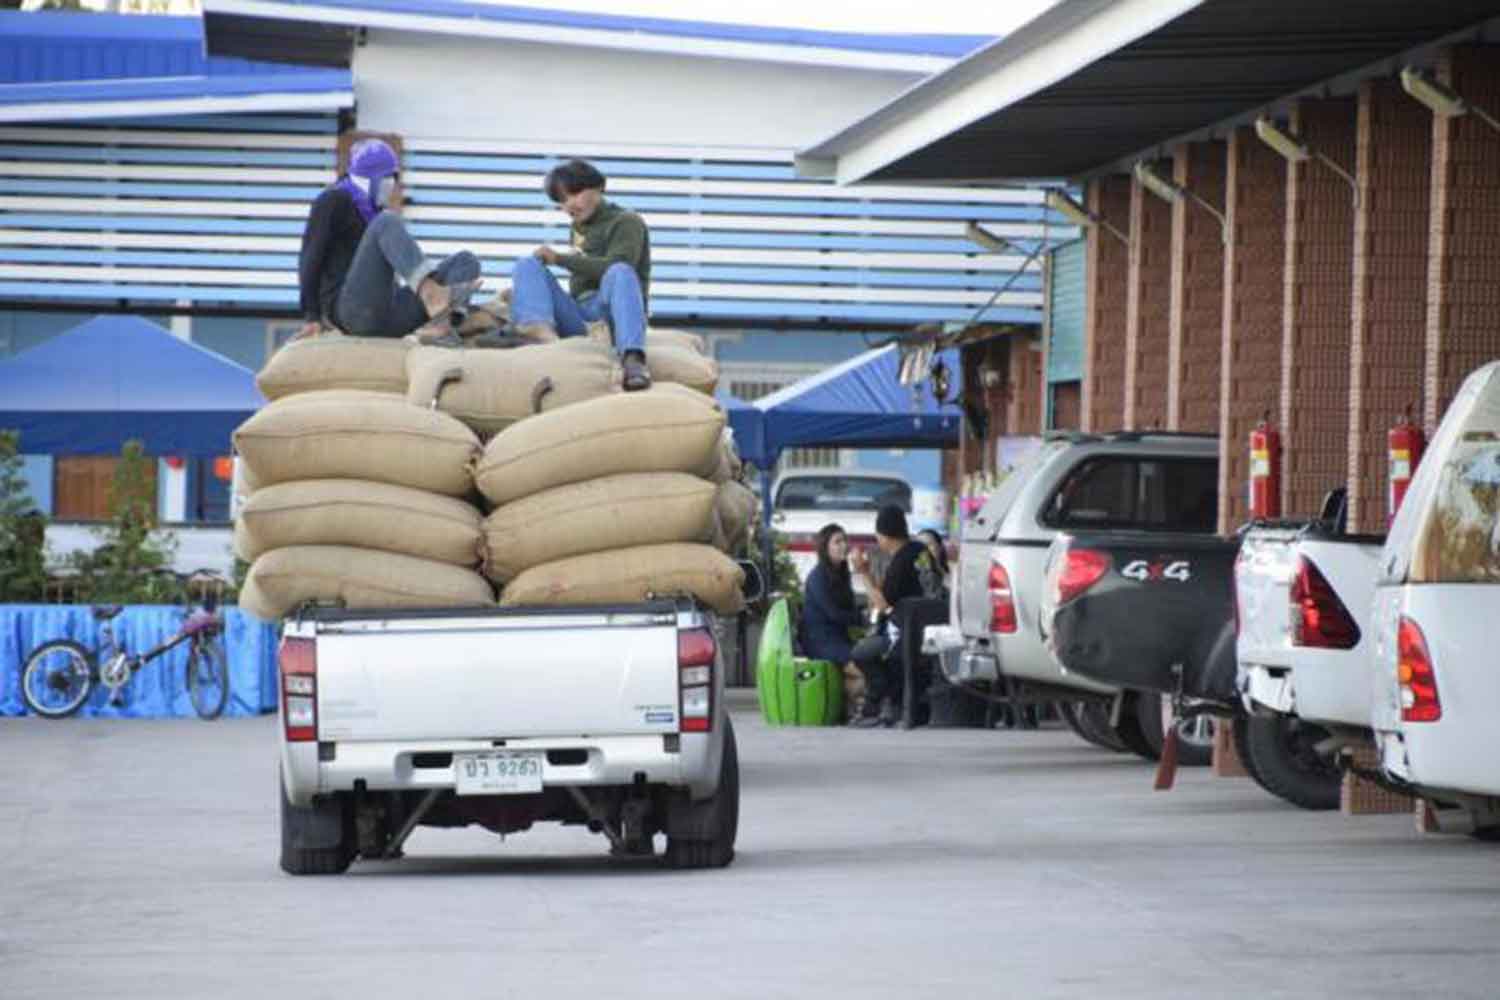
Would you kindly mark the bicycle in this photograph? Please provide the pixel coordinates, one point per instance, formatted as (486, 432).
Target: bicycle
(59, 675)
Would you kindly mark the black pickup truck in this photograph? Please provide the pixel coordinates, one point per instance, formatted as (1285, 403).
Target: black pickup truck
(1146, 610)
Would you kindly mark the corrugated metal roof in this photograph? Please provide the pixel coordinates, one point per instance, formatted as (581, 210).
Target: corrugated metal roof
(950, 46)
(59, 66)
(1002, 115)
(50, 47)
(897, 53)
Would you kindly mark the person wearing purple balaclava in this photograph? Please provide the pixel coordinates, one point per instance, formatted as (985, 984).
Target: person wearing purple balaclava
(356, 246)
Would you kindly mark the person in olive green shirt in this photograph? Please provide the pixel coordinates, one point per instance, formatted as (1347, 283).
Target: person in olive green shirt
(609, 271)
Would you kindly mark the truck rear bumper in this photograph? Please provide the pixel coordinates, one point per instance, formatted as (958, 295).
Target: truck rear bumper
(578, 761)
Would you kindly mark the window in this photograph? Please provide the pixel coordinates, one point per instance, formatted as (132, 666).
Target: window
(1142, 494)
(278, 332)
(842, 493)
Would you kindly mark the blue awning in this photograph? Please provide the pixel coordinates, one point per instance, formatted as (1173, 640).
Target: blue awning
(61, 67)
(860, 404)
(114, 378)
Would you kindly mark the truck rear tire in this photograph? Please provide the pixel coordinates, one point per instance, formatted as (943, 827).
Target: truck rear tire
(1092, 718)
(326, 825)
(1286, 765)
(1241, 735)
(701, 834)
(1134, 732)
(1195, 741)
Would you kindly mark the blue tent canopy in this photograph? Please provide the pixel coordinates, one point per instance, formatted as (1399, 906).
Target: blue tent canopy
(91, 389)
(859, 404)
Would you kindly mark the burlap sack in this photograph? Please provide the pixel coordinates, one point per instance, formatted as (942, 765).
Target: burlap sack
(660, 430)
(497, 388)
(335, 362)
(626, 576)
(599, 332)
(361, 514)
(282, 579)
(344, 434)
(668, 363)
(727, 464)
(736, 506)
(614, 512)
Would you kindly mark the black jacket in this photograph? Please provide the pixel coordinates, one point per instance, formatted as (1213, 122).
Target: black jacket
(333, 231)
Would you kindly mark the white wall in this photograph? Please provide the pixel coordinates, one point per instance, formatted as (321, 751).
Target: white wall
(432, 86)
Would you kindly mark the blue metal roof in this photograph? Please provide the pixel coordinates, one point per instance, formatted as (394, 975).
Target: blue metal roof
(52, 47)
(57, 59)
(947, 46)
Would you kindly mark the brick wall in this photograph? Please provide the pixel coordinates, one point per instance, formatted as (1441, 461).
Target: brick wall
(1067, 406)
(1025, 380)
(1251, 359)
(1103, 391)
(1148, 306)
(1196, 301)
(1463, 315)
(1390, 274)
(1317, 283)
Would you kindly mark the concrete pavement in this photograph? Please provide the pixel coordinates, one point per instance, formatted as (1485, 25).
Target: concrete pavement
(140, 861)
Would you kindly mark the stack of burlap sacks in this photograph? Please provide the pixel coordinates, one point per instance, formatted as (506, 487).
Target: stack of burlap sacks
(383, 475)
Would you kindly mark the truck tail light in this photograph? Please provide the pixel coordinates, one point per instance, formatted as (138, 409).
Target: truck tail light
(1002, 601)
(1319, 618)
(298, 660)
(1081, 569)
(1419, 693)
(696, 653)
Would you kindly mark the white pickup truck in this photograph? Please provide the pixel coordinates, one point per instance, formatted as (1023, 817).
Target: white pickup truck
(1303, 595)
(611, 717)
(1437, 600)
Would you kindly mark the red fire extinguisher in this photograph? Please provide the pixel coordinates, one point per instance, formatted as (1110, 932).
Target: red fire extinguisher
(1405, 444)
(1265, 471)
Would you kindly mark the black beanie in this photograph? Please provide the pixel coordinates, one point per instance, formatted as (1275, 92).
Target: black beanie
(891, 522)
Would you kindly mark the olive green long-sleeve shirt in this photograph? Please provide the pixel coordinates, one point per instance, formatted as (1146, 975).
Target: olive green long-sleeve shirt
(611, 235)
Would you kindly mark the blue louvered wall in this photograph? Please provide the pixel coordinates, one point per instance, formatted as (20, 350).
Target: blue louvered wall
(210, 211)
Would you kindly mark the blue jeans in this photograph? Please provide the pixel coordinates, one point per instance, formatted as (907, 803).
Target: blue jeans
(536, 297)
(372, 303)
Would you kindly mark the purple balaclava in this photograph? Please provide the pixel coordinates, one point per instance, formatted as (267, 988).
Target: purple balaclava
(371, 161)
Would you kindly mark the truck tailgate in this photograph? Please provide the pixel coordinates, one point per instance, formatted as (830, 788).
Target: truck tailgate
(1263, 583)
(478, 678)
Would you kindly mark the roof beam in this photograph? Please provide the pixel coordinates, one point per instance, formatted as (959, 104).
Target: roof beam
(1062, 40)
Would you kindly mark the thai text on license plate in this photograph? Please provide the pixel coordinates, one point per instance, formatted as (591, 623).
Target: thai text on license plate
(499, 772)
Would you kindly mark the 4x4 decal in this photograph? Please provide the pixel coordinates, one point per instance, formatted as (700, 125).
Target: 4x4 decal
(1160, 569)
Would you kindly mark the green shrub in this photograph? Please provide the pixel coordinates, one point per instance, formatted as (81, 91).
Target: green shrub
(23, 529)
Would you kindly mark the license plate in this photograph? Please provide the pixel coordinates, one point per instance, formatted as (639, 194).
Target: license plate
(499, 772)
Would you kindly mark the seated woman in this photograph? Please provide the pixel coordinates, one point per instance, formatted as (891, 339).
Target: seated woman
(828, 611)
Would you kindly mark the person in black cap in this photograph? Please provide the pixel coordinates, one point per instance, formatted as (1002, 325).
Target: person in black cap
(911, 573)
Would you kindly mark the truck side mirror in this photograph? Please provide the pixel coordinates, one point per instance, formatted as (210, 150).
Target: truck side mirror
(754, 587)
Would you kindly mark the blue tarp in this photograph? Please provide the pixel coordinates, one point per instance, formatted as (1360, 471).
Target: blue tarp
(159, 688)
(88, 391)
(859, 404)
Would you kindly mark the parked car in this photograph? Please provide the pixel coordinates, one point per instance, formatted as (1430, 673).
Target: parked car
(1304, 594)
(1113, 483)
(1437, 599)
(804, 500)
(609, 717)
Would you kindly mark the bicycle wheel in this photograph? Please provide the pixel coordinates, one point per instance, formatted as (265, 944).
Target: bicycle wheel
(208, 678)
(57, 678)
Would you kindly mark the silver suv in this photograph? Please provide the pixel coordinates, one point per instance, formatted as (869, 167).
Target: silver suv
(1098, 482)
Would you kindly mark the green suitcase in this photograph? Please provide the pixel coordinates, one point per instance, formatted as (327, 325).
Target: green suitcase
(795, 691)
